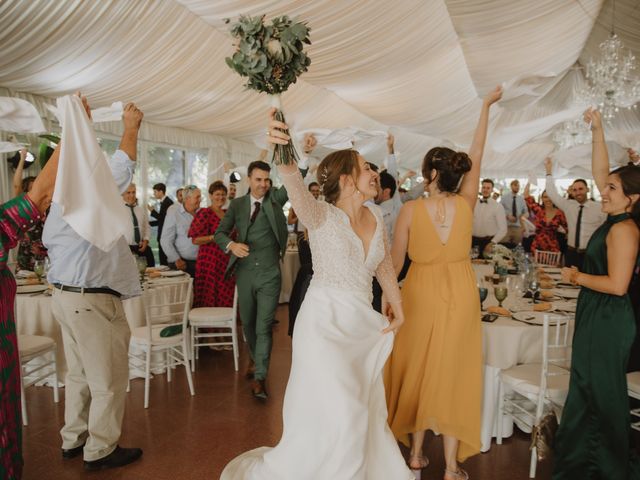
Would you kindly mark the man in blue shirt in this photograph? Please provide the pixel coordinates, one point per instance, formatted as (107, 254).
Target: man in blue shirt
(89, 286)
(179, 248)
(514, 208)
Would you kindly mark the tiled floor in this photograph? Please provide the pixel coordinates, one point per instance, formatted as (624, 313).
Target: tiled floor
(186, 437)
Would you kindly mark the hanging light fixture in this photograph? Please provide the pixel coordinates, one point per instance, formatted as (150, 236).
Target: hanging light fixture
(611, 83)
(571, 134)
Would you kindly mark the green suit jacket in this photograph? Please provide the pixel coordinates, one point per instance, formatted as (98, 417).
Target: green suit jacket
(238, 217)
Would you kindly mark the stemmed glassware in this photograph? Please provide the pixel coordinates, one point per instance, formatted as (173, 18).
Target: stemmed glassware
(534, 288)
(501, 292)
(141, 262)
(483, 291)
(38, 268)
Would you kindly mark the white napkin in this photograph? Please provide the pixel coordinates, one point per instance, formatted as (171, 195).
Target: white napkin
(19, 116)
(25, 274)
(103, 114)
(85, 188)
(8, 147)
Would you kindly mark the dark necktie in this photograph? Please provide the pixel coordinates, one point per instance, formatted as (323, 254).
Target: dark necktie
(256, 210)
(578, 225)
(136, 227)
(513, 207)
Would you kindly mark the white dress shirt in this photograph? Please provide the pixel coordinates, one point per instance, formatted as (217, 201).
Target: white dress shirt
(592, 215)
(253, 204)
(78, 263)
(489, 220)
(143, 224)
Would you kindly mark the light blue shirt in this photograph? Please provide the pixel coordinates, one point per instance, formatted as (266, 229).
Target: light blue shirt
(521, 208)
(174, 240)
(78, 263)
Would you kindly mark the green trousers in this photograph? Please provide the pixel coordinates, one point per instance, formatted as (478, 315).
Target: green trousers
(258, 295)
(593, 440)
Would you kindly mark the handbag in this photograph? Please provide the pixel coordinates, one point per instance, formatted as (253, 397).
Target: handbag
(543, 435)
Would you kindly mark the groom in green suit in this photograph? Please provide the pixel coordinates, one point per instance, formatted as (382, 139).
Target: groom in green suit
(255, 255)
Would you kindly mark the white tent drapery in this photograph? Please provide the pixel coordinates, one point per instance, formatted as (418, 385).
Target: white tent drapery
(413, 67)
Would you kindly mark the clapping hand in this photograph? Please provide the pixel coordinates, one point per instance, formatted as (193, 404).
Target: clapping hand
(395, 315)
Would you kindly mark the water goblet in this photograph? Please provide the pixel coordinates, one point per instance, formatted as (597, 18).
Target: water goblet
(141, 262)
(534, 288)
(38, 268)
(500, 292)
(483, 291)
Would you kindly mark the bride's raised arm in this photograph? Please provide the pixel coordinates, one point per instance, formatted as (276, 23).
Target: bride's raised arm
(311, 212)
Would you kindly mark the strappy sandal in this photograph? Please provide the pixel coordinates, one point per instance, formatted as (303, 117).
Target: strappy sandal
(460, 474)
(419, 459)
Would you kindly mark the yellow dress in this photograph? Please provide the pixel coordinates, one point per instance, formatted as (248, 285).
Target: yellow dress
(433, 378)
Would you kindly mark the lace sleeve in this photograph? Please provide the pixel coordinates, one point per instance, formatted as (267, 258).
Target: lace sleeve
(386, 274)
(311, 212)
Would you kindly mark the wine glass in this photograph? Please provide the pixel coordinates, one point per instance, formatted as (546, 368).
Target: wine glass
(141, 262)
(38, 268)
(501, 292)
(483, 291)
(534, 288)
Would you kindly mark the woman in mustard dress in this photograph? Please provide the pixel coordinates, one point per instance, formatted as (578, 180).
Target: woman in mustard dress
(433, 378)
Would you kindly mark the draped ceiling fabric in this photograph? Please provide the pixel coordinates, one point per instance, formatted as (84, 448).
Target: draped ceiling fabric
(417, 68)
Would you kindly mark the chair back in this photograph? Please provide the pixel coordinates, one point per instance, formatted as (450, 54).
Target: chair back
(556, 351)
(169, 303)
(547, 259)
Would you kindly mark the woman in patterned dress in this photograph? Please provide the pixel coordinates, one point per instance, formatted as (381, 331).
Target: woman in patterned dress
(30, 248)
(212, 289)
(549, 221)
(16, 217)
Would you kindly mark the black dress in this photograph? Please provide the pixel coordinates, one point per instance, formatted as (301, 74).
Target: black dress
(303, 279)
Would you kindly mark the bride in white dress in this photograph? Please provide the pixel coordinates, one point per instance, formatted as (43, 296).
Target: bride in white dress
(334, 413)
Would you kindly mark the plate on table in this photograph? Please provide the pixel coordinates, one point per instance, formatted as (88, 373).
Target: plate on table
(567, 292)
(566, 306)
(172, 273)
(552, 270)
(31, 288)
(532, 318)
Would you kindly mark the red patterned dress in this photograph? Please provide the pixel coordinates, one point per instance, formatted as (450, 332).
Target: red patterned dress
(16, 217)
(211, 288)
(546, 231)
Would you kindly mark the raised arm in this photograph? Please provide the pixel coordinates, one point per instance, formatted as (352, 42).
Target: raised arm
(551, 189)
(469, 187)
(311, 212)
(132, 118)
(17, 175)
(42, 191)
(599, 153)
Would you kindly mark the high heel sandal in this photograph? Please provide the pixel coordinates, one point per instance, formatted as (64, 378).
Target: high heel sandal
(419, 459)
(460, 474)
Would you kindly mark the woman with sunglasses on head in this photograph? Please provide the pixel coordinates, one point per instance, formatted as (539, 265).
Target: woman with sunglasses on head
(434, 375)
(593, 438)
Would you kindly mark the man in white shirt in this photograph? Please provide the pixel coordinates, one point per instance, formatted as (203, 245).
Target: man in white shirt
(386, 203)
(584, 215)
(138, 236)
(489, 221)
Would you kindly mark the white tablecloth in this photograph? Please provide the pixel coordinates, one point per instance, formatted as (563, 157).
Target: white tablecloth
(289, 267)
(34, 317)
(506, 343)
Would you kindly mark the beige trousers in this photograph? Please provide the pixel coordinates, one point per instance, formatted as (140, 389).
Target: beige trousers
(96, 336)
(514, 235)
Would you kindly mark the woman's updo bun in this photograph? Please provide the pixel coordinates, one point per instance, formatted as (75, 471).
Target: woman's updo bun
(332, 167)
(449, 165)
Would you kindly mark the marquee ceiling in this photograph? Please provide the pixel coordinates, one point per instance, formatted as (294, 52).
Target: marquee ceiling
(413, 67)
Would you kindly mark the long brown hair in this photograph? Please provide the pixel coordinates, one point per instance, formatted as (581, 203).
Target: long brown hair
(332, 167)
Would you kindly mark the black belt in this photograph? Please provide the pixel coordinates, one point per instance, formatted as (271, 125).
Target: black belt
(578, 250)
(105, 290)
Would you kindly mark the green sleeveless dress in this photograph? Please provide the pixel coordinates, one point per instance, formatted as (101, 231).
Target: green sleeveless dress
(593, 438)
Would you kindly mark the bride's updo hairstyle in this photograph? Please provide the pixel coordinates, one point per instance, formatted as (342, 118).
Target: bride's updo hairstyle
(332, 167)
(449, 165)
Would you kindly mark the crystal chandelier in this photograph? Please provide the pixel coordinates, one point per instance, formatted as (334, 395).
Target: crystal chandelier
(571, 134)
(611, 84)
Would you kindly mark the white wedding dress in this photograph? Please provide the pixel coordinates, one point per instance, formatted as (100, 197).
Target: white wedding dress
(334, 413)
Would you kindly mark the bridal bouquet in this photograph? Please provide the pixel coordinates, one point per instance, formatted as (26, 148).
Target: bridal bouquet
(272, 57)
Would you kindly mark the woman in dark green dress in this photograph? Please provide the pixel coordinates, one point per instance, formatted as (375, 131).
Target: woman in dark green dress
(593, 438)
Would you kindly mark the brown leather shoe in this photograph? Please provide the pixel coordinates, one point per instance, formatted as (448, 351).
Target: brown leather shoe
(251, 370)
(258, 389)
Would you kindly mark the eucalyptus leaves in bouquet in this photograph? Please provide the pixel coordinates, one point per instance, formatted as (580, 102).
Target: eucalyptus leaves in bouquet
(272, 57)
